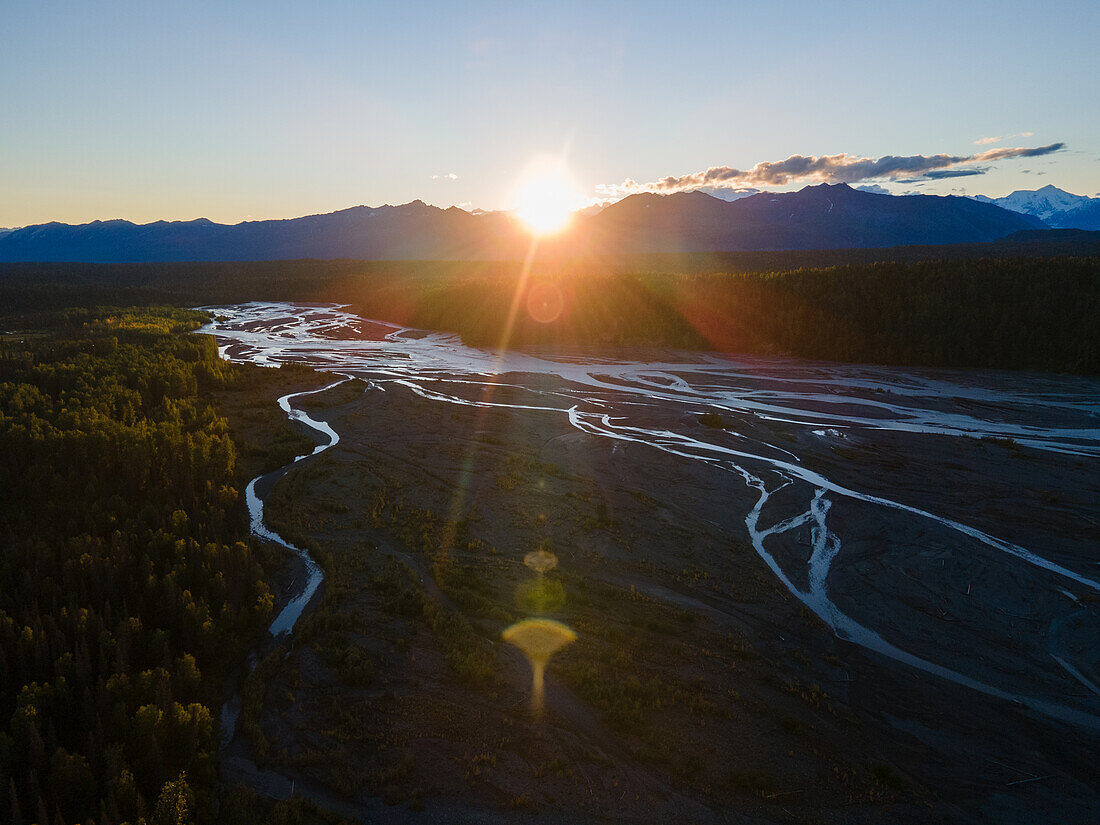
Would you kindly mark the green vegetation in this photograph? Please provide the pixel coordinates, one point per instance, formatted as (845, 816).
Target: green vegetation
(468, 651)
(128, 588)
(1031, 314)
(879, 306)
(243, 806)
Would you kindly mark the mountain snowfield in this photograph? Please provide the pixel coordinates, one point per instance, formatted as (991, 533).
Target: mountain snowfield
(1056, 207)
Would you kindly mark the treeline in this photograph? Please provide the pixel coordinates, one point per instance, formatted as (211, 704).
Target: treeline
(1014, 314)
(29, 287)
(990, 312)
(127, 584)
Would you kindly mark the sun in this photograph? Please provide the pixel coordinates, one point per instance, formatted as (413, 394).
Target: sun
(545, 198)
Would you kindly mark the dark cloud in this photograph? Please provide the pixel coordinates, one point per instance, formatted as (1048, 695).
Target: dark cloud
(1001, 154)
(939, 174)
(827, 169)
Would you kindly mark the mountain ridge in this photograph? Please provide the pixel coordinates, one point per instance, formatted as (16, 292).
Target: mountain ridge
(816, 217)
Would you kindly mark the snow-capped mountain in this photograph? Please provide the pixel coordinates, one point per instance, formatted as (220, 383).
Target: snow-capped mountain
(1054, 206)
(728, 194)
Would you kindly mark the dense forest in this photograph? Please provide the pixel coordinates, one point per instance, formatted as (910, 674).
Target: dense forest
(1032, 312)
(128, 586)
(1018, 314)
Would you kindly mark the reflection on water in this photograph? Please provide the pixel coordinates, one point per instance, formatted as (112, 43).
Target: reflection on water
(539, 639)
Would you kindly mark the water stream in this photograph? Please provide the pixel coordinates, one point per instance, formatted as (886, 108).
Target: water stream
(287, 617)
(646, 401)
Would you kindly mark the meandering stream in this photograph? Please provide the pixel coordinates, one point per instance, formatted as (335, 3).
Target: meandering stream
(645, 402)
(287, 617)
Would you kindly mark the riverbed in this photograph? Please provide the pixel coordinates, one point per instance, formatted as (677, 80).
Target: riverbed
(946, 522)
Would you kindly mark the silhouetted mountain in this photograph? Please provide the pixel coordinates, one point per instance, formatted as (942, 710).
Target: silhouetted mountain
(1056, 207)
(413, 230)
(1086, 217)
(817, 217)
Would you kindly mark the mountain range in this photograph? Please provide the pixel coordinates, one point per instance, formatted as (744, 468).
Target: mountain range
(1056, 207)
(816, 217)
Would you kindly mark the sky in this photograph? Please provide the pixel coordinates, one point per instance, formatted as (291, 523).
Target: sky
(252, 110)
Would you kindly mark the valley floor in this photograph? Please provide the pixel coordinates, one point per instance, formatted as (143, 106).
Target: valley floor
(698, 690)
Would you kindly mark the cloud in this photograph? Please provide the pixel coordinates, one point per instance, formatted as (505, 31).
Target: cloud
(842, 168)
(939, 174)
(874, 189)
(987, 140)
(1001, 154)
(448, 176)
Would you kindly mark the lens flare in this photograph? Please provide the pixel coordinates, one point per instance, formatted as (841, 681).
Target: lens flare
(538, 639)
(541, 560)
(540, 595)
(545, 302)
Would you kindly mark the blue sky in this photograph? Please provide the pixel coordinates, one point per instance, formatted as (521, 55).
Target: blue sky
(231, 110)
